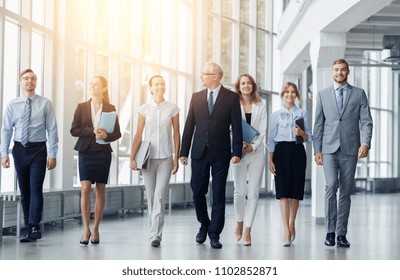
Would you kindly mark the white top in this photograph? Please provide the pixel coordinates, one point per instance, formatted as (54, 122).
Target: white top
(158, 127)
(95, 115)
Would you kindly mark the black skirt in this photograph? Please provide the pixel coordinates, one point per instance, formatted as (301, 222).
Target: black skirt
(94, 164)
(290, 163)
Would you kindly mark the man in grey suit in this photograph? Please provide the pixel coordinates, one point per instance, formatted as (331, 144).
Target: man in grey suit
(341, 111)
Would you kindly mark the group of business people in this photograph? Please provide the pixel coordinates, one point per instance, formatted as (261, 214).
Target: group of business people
(213, 137)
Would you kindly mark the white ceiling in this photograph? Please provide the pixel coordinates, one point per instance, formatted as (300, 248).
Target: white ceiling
(368, 35)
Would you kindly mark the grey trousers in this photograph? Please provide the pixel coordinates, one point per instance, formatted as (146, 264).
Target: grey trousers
(339, 172)
(156, 181)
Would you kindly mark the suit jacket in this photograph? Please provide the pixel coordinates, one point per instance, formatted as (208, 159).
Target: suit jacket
(259, 122)
(213, 130)
(333, 130)
(82, 127)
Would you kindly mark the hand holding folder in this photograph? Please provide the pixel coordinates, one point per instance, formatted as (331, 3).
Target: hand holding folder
(142, 155)
(107, 121)
(249, 132)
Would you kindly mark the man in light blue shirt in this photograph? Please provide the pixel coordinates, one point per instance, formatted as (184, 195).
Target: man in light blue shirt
(29, 117)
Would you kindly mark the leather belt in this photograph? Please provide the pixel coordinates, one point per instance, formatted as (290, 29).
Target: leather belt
(30, 144)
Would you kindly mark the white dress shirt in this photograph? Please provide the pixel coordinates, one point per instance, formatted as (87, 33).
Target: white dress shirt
(158, 127)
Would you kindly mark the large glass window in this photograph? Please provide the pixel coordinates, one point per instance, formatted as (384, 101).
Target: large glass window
(227, 8)
(376, 82)
(245, 11)
(244, 55)
(262, 13)
(10, 89)
(37, 59)
(38, 11)
(210, 38)
(261, 58)
(13, 6)
(226, 45)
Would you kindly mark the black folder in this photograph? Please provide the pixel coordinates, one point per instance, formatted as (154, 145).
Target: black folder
(300, 123)
(249, 132)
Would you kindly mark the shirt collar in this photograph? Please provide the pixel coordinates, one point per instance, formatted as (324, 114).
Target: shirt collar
(293, 109)
(25, 98)
(215, 90)
(157, 104)
(336, 87)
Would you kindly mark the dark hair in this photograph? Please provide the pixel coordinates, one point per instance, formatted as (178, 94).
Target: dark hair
(340, 61)
(286, 86)
(23, 72)
(255, 97)
(153, 77)
(106, 96)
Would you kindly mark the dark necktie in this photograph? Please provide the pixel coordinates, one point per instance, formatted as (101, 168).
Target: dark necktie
(25, 122)
(210, 102)
(340, 99)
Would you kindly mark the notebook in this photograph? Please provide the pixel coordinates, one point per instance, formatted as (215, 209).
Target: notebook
(299, 123)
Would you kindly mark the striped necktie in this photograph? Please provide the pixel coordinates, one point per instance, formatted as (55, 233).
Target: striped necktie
(25, 122)
(210, 102)
(340, 99)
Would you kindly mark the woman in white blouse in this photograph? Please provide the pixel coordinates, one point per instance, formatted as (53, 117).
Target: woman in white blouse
(287, 159)
(247, 174)
(157, 119)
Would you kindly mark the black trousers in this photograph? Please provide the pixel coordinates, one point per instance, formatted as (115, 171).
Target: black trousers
(200, 181)
(30, 165)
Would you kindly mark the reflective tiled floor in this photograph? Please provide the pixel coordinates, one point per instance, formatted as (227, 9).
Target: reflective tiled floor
(374, 228)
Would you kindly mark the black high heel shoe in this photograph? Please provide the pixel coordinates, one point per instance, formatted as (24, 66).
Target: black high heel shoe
(85, 242)
(95, 241)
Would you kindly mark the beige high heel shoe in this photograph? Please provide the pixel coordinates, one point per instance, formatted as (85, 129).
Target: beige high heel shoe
(239, 230)
(247, 237)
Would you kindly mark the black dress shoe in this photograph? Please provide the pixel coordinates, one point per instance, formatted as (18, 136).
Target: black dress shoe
(215, 243)
(35, 233)
(330, 239)
(201, 236)
(27, 238)
(342, 241)
(155, 243)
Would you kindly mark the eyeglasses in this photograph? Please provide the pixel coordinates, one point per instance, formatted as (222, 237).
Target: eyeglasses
(29, 78)
(207, 74)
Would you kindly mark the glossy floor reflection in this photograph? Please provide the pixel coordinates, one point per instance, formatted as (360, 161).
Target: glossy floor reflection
(373, 233)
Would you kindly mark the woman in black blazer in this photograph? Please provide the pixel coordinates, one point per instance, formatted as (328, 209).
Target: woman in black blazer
(94, 158)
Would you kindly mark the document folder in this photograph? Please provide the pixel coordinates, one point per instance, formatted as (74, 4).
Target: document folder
(249, 132)
(107, 121)
(299, 123)
(142, 155)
